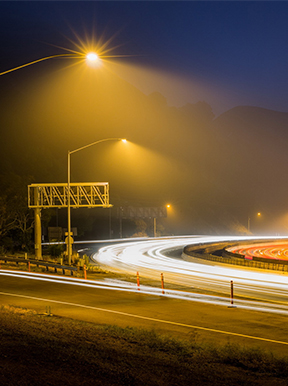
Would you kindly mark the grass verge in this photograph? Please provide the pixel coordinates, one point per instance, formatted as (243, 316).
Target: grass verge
(51, 350)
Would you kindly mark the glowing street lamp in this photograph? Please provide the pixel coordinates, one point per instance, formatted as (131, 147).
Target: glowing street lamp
(69, 243)
(249, 220)
(92, 57)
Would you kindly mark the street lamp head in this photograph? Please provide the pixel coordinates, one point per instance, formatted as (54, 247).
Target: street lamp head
(92, 57)
(124, 140)
(93, 60)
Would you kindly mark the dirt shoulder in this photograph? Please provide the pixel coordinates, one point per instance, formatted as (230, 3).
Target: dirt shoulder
(52, 350)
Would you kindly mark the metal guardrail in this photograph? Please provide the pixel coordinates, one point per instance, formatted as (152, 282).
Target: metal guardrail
(39, 263)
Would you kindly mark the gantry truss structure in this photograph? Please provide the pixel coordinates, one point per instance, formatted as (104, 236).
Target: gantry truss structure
(82, 195)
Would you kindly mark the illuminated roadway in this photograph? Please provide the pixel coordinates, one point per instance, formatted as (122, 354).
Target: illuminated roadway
(197, 302)
(204, 281)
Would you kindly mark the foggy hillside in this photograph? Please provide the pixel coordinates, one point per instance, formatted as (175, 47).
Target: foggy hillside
(213, 172)
(253, 156)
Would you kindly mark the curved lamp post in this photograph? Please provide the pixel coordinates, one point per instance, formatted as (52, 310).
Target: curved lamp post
(68, 187)
(92, 57)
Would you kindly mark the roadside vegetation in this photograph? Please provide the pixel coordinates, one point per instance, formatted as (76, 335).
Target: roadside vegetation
(60, 351)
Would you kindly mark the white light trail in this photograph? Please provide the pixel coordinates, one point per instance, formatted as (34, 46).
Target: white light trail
(254, 289)
(116, 285)
(150, 259)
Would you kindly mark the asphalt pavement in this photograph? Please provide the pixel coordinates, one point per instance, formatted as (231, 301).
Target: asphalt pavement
(174, 317)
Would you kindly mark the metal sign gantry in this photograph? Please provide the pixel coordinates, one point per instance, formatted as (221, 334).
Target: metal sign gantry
(82, 195)
(144, 212)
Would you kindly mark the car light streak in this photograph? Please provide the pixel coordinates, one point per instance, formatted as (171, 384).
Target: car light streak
(272, 251)
(153, 291)
(148, 257)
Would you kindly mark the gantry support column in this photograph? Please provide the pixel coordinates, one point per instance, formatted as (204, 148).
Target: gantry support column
(42, 196)
(37, 226)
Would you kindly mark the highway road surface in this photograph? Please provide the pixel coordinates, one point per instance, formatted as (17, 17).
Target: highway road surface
(204, 281)
(197, 305)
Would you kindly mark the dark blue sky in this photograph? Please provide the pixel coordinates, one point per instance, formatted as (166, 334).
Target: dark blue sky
(226, 53)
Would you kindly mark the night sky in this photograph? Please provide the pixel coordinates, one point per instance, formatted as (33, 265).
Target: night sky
(214, 161)
(226, 53)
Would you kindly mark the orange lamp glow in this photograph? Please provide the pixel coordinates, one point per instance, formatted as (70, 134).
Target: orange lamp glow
(92, 57)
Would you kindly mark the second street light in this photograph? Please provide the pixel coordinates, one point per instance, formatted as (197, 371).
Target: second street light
(69, 236)
(249, 220)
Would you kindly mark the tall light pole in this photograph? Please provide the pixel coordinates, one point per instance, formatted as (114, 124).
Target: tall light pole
(155, 221)
(249, 220)
(68, 188)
